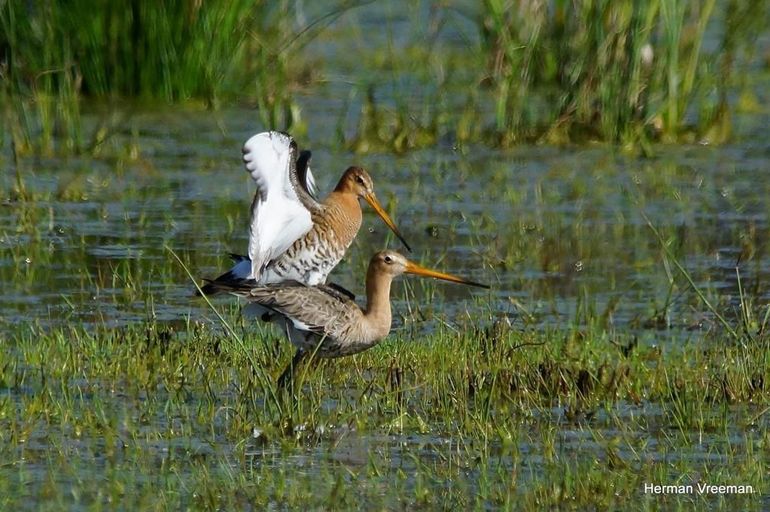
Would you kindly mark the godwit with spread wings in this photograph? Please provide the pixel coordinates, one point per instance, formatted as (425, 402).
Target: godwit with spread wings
(293, 237)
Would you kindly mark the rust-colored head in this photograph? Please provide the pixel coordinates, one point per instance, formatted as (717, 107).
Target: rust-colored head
(394, 264)
(357, 181)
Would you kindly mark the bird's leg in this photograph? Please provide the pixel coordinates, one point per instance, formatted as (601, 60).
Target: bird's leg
(288, 374)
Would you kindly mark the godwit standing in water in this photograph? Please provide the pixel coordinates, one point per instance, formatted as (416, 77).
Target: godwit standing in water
(293, 237)
(326, 321)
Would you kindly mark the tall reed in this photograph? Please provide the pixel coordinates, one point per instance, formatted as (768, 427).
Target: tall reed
(617, 71)
(54, 53)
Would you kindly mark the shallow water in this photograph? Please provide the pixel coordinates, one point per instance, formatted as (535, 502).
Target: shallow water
(553, 229)
(558, 232)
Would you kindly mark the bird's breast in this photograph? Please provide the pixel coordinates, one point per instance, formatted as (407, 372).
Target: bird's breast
(311, 258)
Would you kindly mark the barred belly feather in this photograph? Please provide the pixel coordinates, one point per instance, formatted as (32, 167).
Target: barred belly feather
(311, 258)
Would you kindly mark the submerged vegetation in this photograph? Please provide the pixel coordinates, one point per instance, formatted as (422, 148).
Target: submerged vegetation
(562, 71)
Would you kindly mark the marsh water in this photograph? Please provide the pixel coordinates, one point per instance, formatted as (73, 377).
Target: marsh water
(560, 233)
(554, 231)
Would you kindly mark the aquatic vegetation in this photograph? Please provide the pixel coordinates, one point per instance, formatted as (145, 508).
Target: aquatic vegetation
(505, 72)
(504, 414)
(204, 51)
(500, 72)
(546, 392)
(616, 71)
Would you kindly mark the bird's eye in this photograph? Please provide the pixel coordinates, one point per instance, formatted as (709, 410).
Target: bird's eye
(359, 180)
(388, 259)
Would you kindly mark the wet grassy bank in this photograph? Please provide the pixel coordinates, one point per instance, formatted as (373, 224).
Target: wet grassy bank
(158, 417)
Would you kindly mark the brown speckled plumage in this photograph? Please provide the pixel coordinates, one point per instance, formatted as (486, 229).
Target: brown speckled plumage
(335, 225)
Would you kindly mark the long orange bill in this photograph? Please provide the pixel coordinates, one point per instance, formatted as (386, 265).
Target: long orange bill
(413, 268)
(374, 203)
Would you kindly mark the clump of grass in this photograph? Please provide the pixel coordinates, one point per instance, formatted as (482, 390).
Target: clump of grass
(154, 50)
(397, 129)
(616, 71)
(56, 53)
(557, 72)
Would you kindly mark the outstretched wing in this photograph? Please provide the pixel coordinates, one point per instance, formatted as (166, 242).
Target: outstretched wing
(282, 205)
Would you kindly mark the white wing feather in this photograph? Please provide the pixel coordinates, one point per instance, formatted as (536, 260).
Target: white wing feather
(310, 183)
(278, 218)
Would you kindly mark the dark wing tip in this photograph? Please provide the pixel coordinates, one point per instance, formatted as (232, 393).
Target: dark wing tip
(237, 257)
(304, 159)
(303, 166)
(339, 291)
(209, 288)
(226, 283)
